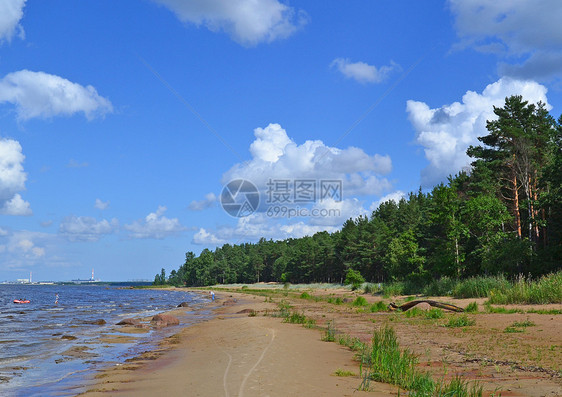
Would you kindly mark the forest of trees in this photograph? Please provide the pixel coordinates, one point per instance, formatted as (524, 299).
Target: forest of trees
(504, 216)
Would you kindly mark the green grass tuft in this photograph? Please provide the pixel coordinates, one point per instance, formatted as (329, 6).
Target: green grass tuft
(460, 321)
(342, 373)
(378, 306)
(360, 301)
(472, 308)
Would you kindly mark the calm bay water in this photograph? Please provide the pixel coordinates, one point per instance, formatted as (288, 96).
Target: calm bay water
(36, 338)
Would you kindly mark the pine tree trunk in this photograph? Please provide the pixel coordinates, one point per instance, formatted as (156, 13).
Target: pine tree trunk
(516, 206)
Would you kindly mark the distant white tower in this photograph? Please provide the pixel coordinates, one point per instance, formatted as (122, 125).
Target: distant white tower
(92, 279)
(29, 277)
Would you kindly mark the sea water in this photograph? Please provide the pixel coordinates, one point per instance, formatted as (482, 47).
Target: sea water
(35, 338)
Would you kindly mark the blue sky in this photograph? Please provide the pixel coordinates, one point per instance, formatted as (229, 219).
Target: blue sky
(121, 122)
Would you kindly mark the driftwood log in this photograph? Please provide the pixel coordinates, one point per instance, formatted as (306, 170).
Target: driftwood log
(408, 305)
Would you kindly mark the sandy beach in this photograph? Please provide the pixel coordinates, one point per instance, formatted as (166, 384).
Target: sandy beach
(237, 353)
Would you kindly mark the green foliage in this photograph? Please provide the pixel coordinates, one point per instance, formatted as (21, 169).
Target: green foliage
(414, 312)
(384, 361)
(379, 306)
(472, 307)
(502, 219)
(343, 373)
(330, 333)
(480, 287)
(460, 321)
(434, 313)
(354, 278)
(523, 324)
(548, 289)
(305, 295)
(295, 318)
(335, 301)
(360, 301)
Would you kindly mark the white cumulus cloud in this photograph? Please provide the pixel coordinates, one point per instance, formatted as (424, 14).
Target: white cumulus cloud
(85, 228)
(518, 28)
(11, 12)
(43, 95)
(155, 225)
(12, 179)
(363, 72)
(446, 132)
(16, 206)
(248, 22)
(275, 156)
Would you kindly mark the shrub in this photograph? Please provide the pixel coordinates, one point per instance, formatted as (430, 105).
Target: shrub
(360, 301)
(354, 278)
(378, 306)
(305, 295)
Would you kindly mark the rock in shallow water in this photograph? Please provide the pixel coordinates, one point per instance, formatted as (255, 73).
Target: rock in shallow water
(163, 320)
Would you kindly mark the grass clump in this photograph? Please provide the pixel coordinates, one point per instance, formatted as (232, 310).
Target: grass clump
(385, 361)
(414, 312)
(523, 324)
(548, 289)
(330, 333)
(460, 321)
(305, 295)
(335, 301)
(343, 373)
(434, 313)
(295, 318)
(472, 308)
(480, 287)
(360, 301)
(378, 306)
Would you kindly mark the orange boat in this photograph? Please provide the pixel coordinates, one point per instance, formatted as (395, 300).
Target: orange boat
(21, 301)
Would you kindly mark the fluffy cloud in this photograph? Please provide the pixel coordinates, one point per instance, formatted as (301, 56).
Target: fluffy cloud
(209, 201)
(446, 132)
(248, 22)
(23, 246)
(12, 179)
(258, 225)
(100, 205)
(38, 94)
(16, 206)
(11, 12)
(526, 29)
(276, 156)
(363, 72)
(203, 237)
(155, 225)
(85, 228)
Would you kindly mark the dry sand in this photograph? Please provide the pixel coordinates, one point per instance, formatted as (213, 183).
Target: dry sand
(235, 354)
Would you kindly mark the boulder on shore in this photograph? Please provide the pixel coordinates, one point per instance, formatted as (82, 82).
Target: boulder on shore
(183, 304)
(129, 321)
(164, 320)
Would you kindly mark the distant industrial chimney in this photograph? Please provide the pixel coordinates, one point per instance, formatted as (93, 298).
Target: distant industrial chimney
(92, 279)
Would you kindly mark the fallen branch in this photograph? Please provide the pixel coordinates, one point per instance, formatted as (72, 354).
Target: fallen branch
(408, 305)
